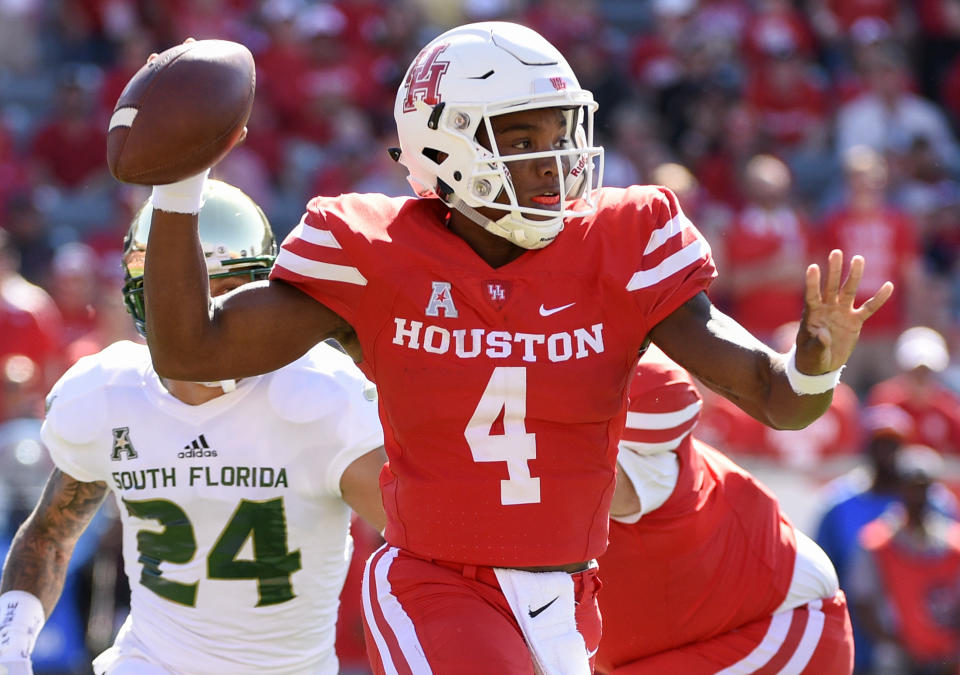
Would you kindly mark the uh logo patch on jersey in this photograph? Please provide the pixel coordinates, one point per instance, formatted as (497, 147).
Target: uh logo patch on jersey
(497, 292)
(122, 444)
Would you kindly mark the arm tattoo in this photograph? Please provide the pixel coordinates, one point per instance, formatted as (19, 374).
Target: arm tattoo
(42, 547)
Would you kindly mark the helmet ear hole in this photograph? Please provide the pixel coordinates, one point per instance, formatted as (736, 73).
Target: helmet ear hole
(434, 155)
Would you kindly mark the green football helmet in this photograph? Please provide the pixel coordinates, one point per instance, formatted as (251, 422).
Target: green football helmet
(234, 232)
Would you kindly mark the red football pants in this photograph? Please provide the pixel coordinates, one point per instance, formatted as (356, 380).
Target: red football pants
(423, 616)
(814, 639)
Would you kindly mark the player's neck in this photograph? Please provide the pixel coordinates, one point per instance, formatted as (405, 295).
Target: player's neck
(192, 393)
(495, 251)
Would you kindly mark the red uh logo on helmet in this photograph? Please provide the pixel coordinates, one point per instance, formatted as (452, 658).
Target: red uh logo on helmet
(423, 81)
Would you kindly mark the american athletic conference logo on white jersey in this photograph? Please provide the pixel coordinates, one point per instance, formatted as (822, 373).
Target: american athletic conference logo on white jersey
(122, 444)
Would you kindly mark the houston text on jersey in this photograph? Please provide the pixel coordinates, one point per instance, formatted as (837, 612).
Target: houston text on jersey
(498, 344)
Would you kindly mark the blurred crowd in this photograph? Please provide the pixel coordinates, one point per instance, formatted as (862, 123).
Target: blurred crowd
(787, 128)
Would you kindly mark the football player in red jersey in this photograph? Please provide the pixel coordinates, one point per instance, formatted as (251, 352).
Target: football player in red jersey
(500, 314)
(703, 573)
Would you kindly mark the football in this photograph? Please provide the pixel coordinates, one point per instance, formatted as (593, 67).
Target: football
(181, 112)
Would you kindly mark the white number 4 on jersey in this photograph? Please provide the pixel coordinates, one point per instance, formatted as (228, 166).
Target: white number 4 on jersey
(507, 392)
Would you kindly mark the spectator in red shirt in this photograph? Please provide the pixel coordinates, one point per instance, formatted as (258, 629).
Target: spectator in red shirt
(764, 250)
(788, 101)
(904, 589)
(721, 167)
(563, 21)
(921, 355)
(776, 26)
(69, 151)
(654, 59)
(73, 284)
(866, 224)
(30, 324)
(281, 63)
(888, 116)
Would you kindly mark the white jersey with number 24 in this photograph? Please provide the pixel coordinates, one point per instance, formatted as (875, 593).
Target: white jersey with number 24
(235, 537)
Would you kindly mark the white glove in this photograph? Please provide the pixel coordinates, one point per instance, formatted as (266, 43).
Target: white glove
(21, 619)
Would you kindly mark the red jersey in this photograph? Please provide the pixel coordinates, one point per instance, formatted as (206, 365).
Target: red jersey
(888, 240)
(502, 390)
(716, 555)
(921, 587)
(758, 241)
(935, 410)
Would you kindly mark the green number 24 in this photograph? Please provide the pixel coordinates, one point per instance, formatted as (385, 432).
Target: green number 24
(264, 522)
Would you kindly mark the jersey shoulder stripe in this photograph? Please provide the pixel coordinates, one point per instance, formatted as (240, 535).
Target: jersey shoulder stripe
(688, 256)
(311, 250)
(316, 269)
(673, 245)
(651, 249)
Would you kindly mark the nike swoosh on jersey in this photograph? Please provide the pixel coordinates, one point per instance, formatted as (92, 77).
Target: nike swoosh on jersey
(590, 654)
(547, 312)
(534, 612)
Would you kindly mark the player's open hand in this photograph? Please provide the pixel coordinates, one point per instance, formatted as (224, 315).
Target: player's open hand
(831, 324)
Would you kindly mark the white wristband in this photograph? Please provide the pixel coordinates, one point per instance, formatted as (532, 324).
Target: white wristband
(184, 196)
(21, 618)
(809, 384)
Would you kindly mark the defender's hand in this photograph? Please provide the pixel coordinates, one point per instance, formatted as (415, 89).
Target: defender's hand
(831, 324)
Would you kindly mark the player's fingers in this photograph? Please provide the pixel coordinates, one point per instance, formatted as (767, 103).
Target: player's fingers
(812, 294)
(834, 269)
(867, 309)
(243, 136)
(852, 283)
(189, 40)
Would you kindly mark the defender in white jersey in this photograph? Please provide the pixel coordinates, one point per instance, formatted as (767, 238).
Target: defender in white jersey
(235, 496)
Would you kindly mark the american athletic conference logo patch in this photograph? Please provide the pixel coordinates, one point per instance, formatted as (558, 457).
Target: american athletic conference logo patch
(122, 444)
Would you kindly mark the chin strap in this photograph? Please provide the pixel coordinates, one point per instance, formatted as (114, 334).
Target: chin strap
(498, 227)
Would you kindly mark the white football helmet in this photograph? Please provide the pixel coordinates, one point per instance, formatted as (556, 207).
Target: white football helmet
(457, 83)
